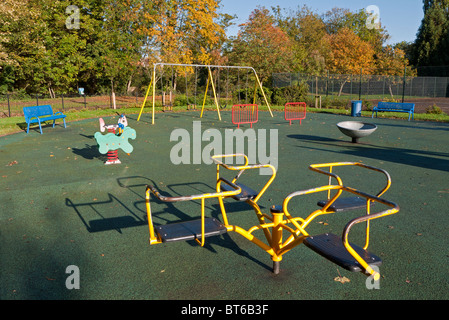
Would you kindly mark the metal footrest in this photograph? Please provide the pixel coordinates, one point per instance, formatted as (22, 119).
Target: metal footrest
(246, 194)
(344, 204)
(190, 230)
(331, 247)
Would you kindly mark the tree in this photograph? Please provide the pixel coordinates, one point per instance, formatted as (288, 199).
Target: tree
(348, 54)
(338, 18)
(306, 31)
(262, 45)
(392, 62)
(432, 42)
(46, 55)
(119, 45)
(182, 32)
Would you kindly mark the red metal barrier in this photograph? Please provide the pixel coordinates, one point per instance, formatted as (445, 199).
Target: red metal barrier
(245, 113)
(295, 111)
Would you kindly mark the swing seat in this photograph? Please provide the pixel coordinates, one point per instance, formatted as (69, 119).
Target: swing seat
(168, 106)
(246, 194)
(331, 247)
(345, 204)
(190, 230)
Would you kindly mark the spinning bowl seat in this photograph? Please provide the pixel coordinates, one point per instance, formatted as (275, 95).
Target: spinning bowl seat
(356, 129)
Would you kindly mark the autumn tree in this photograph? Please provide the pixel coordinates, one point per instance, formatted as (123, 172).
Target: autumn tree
(262, 45)
(182, 32)
(392, 63)
(347, 54)
(306, 31)
(338, 18)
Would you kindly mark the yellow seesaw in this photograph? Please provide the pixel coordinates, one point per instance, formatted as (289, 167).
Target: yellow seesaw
(273, 226)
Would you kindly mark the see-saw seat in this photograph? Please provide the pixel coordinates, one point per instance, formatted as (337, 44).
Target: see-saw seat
(331, 247)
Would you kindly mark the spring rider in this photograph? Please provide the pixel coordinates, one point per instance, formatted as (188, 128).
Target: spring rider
(116, 138)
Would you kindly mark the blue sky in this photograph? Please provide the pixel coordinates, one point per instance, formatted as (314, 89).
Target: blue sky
(401, 18)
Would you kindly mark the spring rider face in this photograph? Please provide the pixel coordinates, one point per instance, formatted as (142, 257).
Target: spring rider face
(116, 138)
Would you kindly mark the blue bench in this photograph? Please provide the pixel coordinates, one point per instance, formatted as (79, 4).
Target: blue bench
(395, 107)
(39, 114)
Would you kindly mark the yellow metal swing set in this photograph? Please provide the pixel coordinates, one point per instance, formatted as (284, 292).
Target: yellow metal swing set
(280, 221)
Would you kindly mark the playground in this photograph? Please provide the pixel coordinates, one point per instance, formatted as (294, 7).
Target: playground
(62, 206)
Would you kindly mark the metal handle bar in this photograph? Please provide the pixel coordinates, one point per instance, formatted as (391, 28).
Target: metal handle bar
(317, 168)
(198, 196)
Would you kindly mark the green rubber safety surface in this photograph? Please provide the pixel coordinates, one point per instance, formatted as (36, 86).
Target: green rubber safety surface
(61, 207)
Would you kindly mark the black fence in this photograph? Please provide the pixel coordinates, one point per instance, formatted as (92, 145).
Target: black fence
(367, 86)
(12, 104)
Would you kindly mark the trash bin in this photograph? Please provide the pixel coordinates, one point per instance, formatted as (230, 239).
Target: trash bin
(356, 108)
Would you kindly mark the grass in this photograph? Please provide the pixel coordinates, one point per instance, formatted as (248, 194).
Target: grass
(17, 124)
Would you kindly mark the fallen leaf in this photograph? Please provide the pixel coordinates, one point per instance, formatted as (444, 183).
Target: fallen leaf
(342, 279)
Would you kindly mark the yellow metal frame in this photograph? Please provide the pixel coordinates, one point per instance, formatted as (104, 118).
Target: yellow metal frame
(209, 80)
(280, 221)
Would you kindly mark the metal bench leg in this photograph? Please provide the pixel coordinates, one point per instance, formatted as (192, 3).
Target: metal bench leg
(40, 127)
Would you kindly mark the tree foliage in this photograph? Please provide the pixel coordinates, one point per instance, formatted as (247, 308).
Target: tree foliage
(432, 42)
(113, 40)
(262, 45)
(117, 42)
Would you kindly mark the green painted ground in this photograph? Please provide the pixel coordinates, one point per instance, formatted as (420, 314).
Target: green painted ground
(62, 206)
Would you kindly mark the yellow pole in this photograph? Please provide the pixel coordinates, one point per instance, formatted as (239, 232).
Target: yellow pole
(145, 100)
(277, 239)
(215, 95)
(263, 93)
(205, 96)
(255, 90)
(154, 92)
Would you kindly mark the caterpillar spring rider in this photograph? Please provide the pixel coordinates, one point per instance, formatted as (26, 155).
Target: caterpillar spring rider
(116, 138)
(281, 230)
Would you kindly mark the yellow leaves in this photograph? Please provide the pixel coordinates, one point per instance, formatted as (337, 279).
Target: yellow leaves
(349, 54)
(183, 29)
